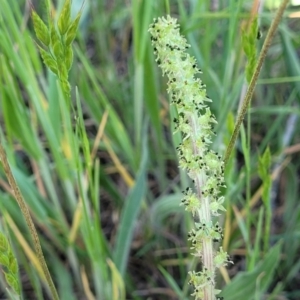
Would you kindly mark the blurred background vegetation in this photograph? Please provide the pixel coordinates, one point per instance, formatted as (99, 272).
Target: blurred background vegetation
(102, 181)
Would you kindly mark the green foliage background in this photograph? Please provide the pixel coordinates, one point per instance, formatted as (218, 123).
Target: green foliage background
(109, 220)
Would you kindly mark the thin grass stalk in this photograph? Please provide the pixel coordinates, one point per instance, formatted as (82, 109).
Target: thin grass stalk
(25, 211)
(250, 91)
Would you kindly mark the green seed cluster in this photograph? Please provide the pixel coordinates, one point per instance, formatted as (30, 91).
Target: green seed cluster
(56, 49)
(204, 166)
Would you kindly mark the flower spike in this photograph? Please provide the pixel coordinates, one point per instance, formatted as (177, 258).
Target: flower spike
(204, 166)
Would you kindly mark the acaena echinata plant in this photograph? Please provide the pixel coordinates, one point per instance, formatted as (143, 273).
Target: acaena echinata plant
(204, 166)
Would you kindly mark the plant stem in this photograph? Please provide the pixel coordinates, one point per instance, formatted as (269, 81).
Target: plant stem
(254, 78)
(25, 211)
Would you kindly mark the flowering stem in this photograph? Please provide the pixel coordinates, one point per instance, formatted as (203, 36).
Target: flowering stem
(204, 166)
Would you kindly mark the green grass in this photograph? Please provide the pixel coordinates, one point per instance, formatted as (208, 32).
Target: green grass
(110, 224)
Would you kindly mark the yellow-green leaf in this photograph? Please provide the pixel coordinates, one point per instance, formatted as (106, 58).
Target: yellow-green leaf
(63, 72)
(66, 87)
(71, 33)
(3, 243)
(49, 61)
(4, 261)
(40, 28)
(12, 282)
(64, 18)
(69, 57)
(58, 49)
(54, 36)
(13, 266)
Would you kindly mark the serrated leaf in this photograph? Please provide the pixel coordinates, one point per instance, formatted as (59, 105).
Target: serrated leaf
(64, 18)
(69, 57)
(49, 61)
(40, 28)
(71, 33)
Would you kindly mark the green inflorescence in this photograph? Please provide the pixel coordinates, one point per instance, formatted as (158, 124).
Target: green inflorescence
(56, 43)
(203, 165)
